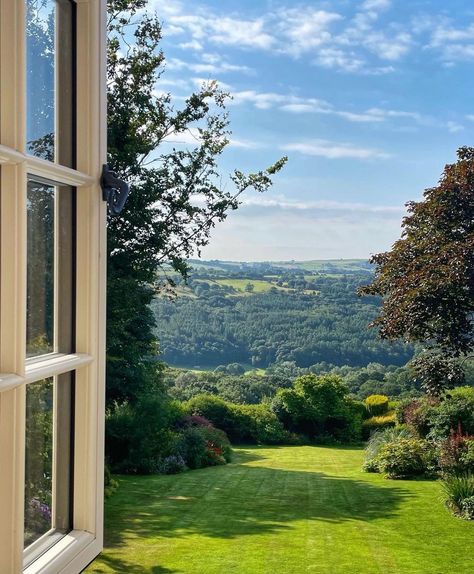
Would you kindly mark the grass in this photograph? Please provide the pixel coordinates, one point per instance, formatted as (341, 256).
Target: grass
(259, 286)
(283, 510)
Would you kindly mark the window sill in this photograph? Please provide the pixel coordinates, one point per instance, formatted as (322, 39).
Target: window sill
(72, 553)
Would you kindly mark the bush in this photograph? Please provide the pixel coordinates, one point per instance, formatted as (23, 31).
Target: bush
(204, 446)
(377, 423)
(110, 484)
(219, 412)
(437, 419)
(459, 491)
(261, 425)
(217, 445)
(455, 410)
(172, 464)
(467, 508)
(319, 408)
(380, 438)
(416, 414)
(242, 423)
(376, 405)
(139, 436)
(194, 421)
(191, 446)
(457, 454)
(406, 458)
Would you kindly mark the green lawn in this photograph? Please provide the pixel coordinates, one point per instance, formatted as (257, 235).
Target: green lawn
(283, 510)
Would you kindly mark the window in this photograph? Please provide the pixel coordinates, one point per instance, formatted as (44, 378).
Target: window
(52, 284)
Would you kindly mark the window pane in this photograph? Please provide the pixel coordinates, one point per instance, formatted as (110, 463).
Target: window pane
(50, 268)
(39, 460)
(48, 472)
(50, 43)
(40, 269)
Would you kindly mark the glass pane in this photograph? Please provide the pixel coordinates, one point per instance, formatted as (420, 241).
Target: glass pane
(50, 44)
(48, 472)
(39, 460)
(40, 269)
(50, 268)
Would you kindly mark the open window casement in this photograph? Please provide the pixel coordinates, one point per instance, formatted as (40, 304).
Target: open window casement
(52, 283)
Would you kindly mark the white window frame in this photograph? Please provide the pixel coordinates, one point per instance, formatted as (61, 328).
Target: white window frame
(78, 548)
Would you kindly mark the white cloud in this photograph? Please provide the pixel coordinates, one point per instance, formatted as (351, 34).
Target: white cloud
(202, 25)
(318, 230)
(305, 29)
(288, 204)
(286, 102)
(245, 144)
(376, 4)
(340, 59)
(452, 44)
(189, 137)
(192, 45)
(219, 67)
(454, 127)
(330, 39)
(470, 117)
(333, 150)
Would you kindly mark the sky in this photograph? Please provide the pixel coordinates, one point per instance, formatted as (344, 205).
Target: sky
(369, 99)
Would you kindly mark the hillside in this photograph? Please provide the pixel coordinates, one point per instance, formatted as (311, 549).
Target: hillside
(262, 313)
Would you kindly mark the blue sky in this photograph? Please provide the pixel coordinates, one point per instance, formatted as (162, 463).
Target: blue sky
(368, 98)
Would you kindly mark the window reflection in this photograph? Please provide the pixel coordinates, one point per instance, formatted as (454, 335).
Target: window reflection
(49, 81)
(39, 460)
(40, 269)
(48, 458)
(50, 268)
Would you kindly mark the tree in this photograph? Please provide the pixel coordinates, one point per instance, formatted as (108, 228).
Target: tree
(427, 279)
(318, 407)
(176, 197)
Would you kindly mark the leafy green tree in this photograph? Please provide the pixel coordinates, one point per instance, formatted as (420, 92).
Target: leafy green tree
(427, 279)
(176, 196)
(318, 407)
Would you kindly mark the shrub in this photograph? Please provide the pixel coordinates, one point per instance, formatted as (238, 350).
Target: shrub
(376, 405)
(467, 508)
(217, 443)
(172, 464)
(242, 423)
(319, 408)
(370, 465)
(459, 491)
(110, 484)
(380, 438)
(139, 436)
(194, 421)
(204, 446)
(378, 423)
(261, 424)
(406, 458)
(457, 454)
(191, 446)
(456, 409)
(416, 414)
(219, 412)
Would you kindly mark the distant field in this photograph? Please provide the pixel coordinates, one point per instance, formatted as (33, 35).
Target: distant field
(240, 284)
(325, 265)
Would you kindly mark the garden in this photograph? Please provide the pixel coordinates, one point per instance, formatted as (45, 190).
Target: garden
(284, 510)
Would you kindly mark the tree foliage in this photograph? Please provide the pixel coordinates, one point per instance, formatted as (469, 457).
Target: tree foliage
(176, 196)
(318, 407)
(427, 279)
(211, 324)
